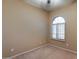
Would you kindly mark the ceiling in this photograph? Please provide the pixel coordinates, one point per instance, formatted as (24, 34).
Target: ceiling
(49, 5)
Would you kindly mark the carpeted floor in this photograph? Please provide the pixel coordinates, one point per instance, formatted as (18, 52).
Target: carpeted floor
(48, 52)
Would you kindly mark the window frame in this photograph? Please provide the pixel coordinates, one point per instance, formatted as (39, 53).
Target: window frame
(56, 30)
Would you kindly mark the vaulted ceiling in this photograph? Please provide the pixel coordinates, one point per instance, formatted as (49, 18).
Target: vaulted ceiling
(49, 5)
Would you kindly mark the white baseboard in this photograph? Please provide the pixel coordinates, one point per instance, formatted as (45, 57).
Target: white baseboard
(39, 48)
(29, 50)
(64, 49)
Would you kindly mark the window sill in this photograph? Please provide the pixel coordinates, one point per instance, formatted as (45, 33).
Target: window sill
(61, 40)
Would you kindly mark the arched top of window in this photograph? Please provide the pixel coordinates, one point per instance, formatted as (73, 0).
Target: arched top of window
(58, 20)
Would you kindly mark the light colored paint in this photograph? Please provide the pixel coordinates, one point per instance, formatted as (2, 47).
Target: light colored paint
(24, 27)
(69, 13)
(54, 4)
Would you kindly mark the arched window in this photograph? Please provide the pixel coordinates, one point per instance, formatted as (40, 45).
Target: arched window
(58, 28)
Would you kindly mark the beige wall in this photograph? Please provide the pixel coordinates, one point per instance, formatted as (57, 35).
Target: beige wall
(70, 15)
(24, 27)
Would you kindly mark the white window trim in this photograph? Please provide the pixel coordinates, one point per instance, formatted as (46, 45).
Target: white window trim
(56, 30)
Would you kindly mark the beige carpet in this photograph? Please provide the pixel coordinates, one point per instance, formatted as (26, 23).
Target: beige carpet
(48, 53)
